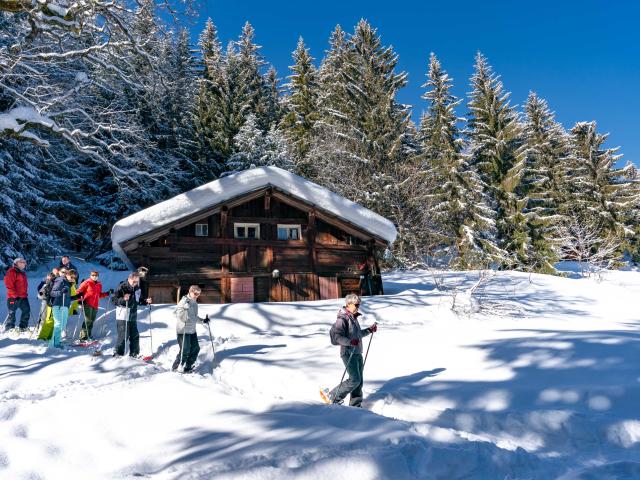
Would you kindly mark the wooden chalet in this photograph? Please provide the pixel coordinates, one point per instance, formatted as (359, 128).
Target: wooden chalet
(260, 235)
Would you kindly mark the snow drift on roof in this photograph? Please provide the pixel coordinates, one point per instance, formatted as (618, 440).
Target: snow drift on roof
(219, 191)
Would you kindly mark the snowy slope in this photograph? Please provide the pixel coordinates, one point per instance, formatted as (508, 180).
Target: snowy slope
(542, 383)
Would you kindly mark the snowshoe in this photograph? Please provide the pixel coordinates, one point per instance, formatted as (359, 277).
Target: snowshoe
(85, 343)
(324, 395)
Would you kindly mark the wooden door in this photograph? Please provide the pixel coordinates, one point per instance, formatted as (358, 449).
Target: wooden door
(328, 287)
(241, 289)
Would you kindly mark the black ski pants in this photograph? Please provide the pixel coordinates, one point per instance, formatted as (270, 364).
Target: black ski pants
(13, 304)
(128, 330)
(189, 349)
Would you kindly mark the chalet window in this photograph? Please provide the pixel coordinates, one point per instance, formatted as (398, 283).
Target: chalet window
(202, 229)
(288, 232)
(246, 230)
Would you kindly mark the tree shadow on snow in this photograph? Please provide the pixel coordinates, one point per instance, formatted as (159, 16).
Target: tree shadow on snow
(562, 394)
(306, 440)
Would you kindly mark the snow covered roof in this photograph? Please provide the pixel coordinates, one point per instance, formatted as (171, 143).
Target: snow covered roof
(226, 188)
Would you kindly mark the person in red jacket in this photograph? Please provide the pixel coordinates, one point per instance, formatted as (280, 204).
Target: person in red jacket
(17, 285)
(92, 290)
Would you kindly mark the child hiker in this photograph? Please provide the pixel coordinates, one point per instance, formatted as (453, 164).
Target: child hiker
(187, 315)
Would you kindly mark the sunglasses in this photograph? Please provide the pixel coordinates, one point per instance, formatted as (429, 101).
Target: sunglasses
(357, 305)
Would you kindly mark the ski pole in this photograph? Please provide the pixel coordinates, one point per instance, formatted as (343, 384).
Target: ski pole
(345, 371)
(126, 326)
(65, 327)
(213, 349)
(150, 329)
(182, 347)
(75, 329)
(367, 354)
(39, 320)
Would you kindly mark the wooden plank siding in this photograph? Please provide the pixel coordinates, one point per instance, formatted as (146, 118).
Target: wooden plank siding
(328, 288)
(323, 263)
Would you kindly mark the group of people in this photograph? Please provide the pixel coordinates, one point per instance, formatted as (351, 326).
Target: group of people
(59, 296)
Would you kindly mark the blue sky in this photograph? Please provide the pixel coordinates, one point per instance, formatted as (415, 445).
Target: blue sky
(583, 56)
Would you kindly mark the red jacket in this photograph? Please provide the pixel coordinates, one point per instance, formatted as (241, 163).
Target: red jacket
(16, 283)
(92, 292)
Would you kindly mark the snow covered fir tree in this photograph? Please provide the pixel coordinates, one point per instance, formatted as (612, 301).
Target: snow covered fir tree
(124, 124)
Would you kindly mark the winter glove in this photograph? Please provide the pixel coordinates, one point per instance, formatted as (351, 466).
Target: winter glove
(110, 292)
(355, 342)
(206, 319)
(373, 328)
(65, 290)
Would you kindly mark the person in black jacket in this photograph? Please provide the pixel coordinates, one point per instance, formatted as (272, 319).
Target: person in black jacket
(44, 294)
(144, 282)
(127, 297)
(65, 262)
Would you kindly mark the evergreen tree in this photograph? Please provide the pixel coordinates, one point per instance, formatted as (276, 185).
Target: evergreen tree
(367, 126)
(254, 148)
(497, 154)
(332, 92)
(36, 201)
(179, 105)
(600, 192)
(632, 176)
(211, 50)
(544, 182)
(452, 197)
(275, 110)
(208, 122)
(254, 91)
(237, 90)
(302, 106)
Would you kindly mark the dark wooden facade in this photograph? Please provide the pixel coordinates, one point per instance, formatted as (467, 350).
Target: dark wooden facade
(330, 258)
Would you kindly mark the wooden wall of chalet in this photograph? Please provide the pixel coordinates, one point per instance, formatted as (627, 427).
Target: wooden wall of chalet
(323, 263)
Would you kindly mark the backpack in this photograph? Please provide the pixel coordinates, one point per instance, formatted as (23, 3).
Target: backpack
(333, 333)
(45, 292)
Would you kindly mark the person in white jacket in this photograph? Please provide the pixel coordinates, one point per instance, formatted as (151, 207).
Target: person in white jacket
(187, 317)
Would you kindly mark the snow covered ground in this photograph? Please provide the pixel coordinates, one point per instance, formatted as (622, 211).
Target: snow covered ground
(542, 382)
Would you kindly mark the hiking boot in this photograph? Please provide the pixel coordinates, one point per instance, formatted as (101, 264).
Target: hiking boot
(23, 329)
(188, 370)
(8, 328)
